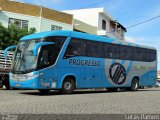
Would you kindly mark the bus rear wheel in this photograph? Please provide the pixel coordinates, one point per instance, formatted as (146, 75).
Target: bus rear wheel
(134, 84)
(68, 86)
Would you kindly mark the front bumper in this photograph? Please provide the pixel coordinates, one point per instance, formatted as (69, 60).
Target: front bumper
(29, 84)
(34, 84)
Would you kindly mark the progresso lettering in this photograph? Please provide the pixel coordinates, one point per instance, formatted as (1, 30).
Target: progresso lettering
(84, 62)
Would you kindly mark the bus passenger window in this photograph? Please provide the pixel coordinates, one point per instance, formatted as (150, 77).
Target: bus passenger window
(108, 51)
(76, 47)
(111, 51)
(94, 49)
(115, 51)
(126, 52)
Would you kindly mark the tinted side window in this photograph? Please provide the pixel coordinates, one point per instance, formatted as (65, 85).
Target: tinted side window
(76, 47)
(94, 49)
(111, 51)
(147, 52)
(142, 54)
(126, 52)
(137, 54)
(108, 50)
(152, 55)
(115, 50)
(59, 40)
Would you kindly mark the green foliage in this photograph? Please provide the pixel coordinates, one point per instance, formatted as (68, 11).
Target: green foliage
(11, 35)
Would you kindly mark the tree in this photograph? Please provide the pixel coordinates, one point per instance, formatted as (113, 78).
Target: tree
(11, 35)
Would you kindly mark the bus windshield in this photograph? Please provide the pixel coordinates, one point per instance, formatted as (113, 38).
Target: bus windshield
(24, 60)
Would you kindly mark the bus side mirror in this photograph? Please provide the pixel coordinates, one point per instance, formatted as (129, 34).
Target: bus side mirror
(38, 45)
(6, 50)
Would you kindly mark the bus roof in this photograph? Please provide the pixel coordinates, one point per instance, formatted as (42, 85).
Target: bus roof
(80, 35)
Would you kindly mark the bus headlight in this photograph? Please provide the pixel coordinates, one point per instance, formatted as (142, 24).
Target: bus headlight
(23, 77)
(54, 84)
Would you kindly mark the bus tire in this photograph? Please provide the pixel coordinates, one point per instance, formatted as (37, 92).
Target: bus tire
(68, 86)
(134, 84)
(112, 89)
(44, 91)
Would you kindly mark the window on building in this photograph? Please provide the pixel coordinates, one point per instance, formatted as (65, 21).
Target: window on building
(22, 24)
(103, 25)
(119, 30)
(112, 27)
(54, 27)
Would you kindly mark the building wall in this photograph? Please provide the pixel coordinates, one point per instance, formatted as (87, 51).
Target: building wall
(38, 17)
(41, 24)
(89, 16)
(46, 25)
(21, 8)
(57, 16)
(83, 27)
(35, 10)
(107, 31)
(33, 21)
(94, 17)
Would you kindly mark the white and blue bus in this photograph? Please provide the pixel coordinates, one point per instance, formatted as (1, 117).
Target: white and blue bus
(68, 60)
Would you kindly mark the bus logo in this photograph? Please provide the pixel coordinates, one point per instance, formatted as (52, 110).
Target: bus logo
(117, 73)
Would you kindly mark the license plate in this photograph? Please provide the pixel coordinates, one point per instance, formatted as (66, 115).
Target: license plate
(18, 85)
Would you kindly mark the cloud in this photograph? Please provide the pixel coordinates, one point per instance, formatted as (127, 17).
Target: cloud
(130, 39)
(134, 39)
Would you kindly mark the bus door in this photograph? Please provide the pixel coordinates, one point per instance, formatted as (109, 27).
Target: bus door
(46, 58)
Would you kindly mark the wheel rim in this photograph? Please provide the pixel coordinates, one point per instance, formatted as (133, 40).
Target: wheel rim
(135, 84)
(67, 85)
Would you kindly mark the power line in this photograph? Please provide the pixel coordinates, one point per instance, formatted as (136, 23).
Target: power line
(143, 22)
(101, 2)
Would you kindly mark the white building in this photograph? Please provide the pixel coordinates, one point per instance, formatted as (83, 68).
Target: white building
(28, 15)
(100, 20)
(95, 20)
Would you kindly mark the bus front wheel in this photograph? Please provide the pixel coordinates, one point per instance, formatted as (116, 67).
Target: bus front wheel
(134, 84)
(68, 86)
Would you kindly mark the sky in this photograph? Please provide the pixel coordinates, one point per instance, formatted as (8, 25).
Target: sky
(127, 12)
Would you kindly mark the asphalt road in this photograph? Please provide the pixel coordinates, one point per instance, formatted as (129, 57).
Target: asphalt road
(146, 101)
